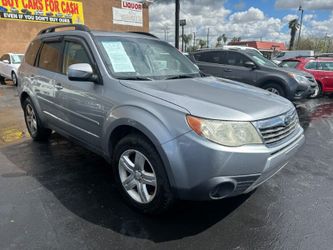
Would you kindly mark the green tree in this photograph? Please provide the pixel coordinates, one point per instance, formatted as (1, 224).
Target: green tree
(202, 43)
(219, 41)
(293, 26)
(224, 38)
(187, 39)
(236, 39)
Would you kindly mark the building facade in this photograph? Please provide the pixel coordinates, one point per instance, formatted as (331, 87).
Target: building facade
(21, 20)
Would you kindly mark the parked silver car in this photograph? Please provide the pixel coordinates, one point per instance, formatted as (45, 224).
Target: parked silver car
(168, 131)
(9, 63)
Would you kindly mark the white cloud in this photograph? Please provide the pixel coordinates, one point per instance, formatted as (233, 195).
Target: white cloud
(307, 4)
(251, 24)
(288, 18)
(251, 15)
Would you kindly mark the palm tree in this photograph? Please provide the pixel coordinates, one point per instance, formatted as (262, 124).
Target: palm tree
(187, 39)
(236, 39)
(219, 41)
(293, 26)
(224, 38)
(202, 43)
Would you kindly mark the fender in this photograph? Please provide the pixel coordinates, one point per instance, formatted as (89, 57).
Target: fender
(148, 124)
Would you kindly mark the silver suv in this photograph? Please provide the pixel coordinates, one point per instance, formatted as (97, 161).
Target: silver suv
(168, 131)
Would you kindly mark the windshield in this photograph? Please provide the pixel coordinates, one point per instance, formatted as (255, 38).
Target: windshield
(17, 59)
(261, 60)
(140, 59)
(289, 64)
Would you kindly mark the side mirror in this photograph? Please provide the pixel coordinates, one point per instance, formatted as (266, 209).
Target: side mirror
(5, 61)
(250, 65)
(81, 72)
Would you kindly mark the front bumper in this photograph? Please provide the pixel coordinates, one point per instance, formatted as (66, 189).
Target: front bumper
(202, 170)
(305, 92)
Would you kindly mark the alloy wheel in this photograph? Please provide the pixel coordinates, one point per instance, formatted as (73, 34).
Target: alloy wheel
(31, 119)
(273, 90)
(137, 176)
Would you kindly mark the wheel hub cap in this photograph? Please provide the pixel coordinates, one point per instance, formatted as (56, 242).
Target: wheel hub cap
(137, 176)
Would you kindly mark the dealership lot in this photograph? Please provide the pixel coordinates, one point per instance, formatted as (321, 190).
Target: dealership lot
(59, 195)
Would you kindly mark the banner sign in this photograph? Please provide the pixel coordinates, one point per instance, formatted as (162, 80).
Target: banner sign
(131, 5)
(129, 14)
(46, 11)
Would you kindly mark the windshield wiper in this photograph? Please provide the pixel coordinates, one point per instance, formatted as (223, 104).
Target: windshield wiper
(135, 78)
(180, 77)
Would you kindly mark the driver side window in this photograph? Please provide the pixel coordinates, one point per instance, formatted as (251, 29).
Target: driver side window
(74, 53)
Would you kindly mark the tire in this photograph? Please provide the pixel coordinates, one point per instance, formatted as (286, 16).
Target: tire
(14, 78)
(275, 89)
(137, 163)
(2, 80)
(33, 123)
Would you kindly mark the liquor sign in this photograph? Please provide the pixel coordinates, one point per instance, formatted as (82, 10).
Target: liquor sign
(130, 13)
(45, 11)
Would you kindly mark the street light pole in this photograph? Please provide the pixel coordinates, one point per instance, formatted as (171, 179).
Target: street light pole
(177, 24)
(300, 28)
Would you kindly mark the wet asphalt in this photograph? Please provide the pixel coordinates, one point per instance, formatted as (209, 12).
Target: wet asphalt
(58, 195)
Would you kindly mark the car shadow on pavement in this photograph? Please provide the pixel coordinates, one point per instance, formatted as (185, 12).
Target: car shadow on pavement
(83, 183)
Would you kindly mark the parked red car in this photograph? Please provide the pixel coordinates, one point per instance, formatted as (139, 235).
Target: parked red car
(320, 67)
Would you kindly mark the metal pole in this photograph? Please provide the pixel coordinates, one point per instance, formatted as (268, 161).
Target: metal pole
(300, 28)
(177, 24)
(194, 43)
(208, 38)
(183, 38)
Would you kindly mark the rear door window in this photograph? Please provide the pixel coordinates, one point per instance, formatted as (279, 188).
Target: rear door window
(326, 66)
(50, 56)
(30, 55)
(211, 57)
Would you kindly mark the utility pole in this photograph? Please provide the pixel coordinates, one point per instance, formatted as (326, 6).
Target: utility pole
(208, 38)
(300, 28)
(182, 23)
(166, 31)
(177, 24)
(194, 43)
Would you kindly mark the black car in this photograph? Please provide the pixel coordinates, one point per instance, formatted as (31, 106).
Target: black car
(252, 68)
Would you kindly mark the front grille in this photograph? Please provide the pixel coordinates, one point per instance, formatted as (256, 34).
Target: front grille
(276, 129)
(244, 182)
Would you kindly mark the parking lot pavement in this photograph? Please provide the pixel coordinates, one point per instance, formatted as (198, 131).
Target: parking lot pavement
(12, 127)
(59, 195)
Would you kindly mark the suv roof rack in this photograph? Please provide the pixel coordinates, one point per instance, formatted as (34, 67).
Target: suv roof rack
(143, 33)
(53, 28)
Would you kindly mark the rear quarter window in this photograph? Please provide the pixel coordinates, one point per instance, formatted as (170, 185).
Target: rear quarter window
(30, 55)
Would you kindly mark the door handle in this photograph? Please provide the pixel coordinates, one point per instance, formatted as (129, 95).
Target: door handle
(227, 70)
(58, 86)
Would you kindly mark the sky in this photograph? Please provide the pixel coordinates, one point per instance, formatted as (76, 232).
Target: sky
(265, 20)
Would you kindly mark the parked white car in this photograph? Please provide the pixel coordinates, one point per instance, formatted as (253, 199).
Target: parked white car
(283, 55)
(9, 63)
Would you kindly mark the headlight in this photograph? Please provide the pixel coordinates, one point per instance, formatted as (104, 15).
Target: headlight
(226, 133)
(300, 79)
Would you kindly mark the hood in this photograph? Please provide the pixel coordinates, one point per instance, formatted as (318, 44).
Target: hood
(214, 98)
(295, 71)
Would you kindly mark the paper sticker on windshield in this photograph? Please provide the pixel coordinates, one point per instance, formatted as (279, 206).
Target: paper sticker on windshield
(118, 57)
